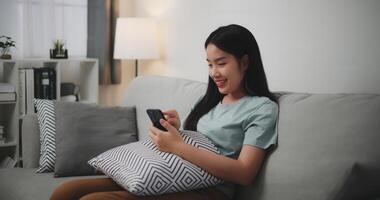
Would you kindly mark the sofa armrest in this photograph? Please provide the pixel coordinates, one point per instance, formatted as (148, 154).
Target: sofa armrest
(30, 141)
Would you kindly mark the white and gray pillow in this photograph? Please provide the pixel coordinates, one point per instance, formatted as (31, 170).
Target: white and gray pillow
(144, 170)
(46, 123)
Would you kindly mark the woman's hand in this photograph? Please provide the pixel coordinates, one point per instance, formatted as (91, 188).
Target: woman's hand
(173, 118)
(167, 141)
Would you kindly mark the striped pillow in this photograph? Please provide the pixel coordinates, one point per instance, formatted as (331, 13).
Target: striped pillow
(46, 122)
(143, 170)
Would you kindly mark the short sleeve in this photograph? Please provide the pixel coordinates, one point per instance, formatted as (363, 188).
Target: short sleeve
(260, 127)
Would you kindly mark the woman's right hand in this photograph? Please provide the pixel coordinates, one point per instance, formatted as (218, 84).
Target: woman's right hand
(173, 118)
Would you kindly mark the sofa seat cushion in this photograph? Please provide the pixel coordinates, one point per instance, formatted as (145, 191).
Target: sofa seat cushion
(26, 184)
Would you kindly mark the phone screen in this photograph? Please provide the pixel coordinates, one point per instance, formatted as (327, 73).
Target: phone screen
(155, 115)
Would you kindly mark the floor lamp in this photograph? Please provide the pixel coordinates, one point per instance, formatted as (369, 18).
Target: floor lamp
(135, 38)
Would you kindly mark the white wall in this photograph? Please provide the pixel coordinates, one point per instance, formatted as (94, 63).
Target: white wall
(307, 46)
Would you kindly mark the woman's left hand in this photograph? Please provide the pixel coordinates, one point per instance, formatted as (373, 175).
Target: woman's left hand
(167, 141)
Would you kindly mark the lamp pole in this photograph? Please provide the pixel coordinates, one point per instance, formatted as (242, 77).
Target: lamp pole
(136, 66)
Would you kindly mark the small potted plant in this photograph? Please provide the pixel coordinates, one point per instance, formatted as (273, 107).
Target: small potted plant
(5, 46)
(59, 51)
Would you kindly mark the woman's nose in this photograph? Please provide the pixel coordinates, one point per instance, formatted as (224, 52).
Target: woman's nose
(214, 72)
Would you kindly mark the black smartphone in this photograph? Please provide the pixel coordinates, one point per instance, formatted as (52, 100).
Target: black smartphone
(155, 115)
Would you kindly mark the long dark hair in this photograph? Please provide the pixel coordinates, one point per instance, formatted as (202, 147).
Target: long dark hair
(238, 41)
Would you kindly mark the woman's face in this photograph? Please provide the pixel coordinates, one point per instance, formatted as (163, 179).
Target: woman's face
(226, 71)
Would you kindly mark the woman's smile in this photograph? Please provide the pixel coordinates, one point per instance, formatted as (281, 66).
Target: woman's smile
(220, 83)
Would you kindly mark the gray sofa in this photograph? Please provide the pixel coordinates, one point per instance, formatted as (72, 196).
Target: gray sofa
(322, 137)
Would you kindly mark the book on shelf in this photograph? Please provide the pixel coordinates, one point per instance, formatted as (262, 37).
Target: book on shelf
(2, 136)
(45, 83)
(37, 83)
(22, 92)
(26, 91)
(7, 96)
(29, 90)
(6, 88)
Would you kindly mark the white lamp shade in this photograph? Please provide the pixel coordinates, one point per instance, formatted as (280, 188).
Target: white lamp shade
(136, 38)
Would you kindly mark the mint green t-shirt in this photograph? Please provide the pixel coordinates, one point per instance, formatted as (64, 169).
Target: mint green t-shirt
(249, 121)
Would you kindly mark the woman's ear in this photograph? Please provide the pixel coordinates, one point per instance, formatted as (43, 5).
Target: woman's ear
(244, 62)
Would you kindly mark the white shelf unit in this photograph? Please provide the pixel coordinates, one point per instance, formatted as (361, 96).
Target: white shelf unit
(9, 117)
(88, 79)
(83, 72)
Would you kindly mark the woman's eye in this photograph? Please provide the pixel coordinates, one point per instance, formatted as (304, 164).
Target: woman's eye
(222, 64)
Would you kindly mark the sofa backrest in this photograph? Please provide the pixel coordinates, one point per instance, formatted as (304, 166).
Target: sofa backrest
(163, 93)
(321, 137)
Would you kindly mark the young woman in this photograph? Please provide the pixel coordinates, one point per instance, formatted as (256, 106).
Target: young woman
(238, 113)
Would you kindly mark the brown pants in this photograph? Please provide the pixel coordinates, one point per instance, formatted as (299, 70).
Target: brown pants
(106, 188)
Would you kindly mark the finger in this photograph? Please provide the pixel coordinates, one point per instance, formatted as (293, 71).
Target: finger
(167, 125)
(155, 130)
(167, 117)
(153, 136)
(170, 113)
(151, 130)
(171, 120)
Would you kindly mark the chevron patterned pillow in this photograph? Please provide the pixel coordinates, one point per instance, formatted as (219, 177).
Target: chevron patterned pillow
(46, 123)
(143, 170)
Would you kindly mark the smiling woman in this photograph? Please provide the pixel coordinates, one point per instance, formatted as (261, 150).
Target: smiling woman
(238, 114)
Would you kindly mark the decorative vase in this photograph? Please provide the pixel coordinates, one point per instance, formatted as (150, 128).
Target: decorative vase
(6, 56)
(58, 53)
